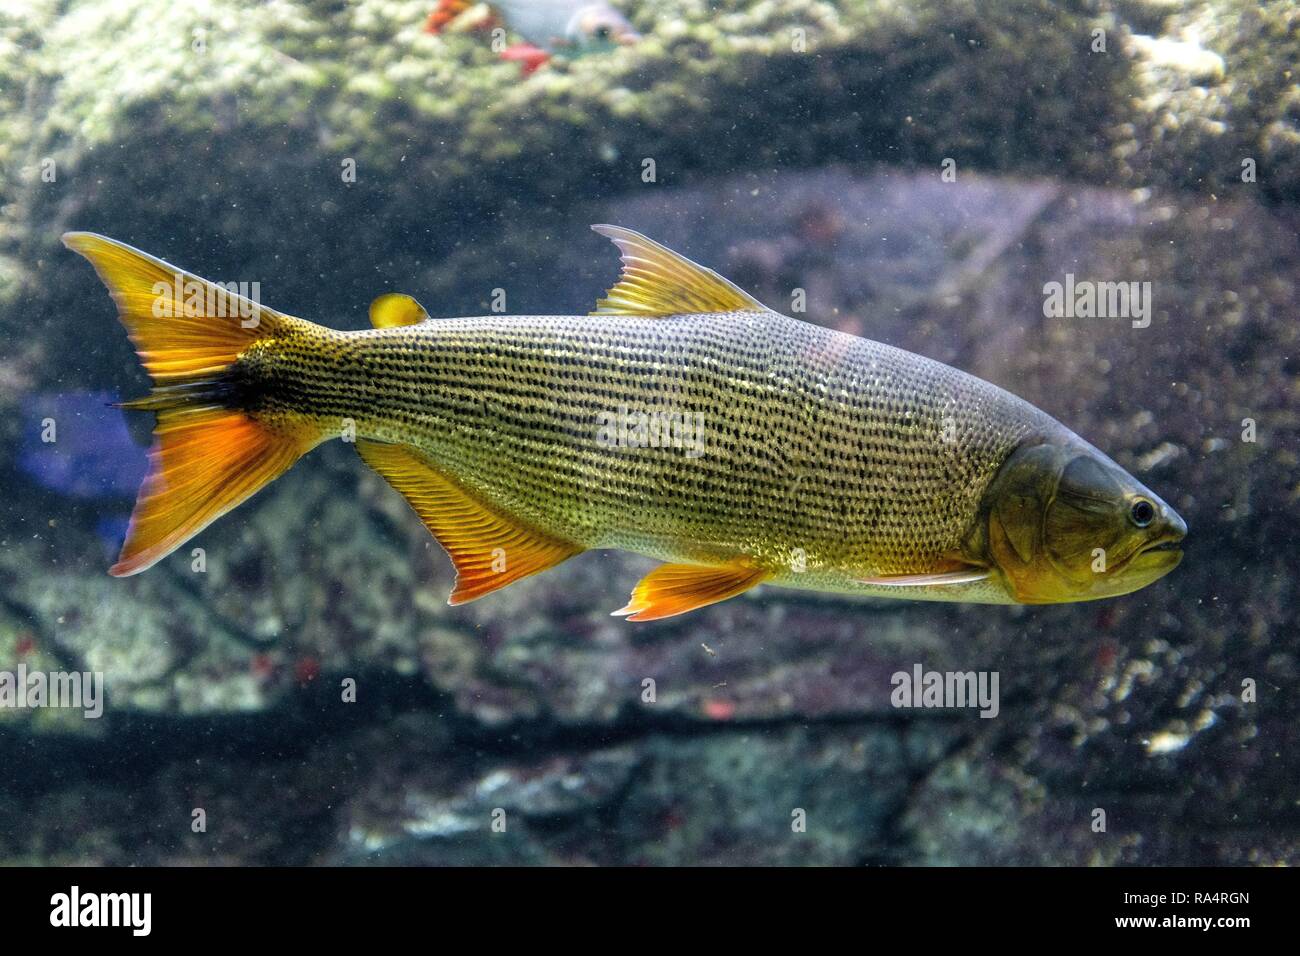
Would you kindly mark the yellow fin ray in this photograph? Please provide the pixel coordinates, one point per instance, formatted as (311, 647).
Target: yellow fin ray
(489, 549)
(202, 464)
(673, 589)
(206, 457)
(182, 325)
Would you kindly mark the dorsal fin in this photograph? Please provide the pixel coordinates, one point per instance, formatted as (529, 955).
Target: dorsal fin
(393, 309)
(489, 548)
(657, 281)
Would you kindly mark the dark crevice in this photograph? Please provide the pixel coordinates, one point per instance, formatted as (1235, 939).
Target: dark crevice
(133, 745)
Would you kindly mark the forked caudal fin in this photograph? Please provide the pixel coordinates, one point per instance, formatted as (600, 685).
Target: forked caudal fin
(208, 454)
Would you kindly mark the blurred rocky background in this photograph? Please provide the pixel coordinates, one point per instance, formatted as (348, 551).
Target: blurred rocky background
(215, 135)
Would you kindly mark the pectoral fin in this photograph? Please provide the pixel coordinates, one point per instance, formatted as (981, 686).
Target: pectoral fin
(673, 589)
(490, 549)
(940, 580)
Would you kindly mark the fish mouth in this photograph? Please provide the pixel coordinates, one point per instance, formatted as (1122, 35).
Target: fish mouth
(1173, 544)
(1159, 557)
(1169, 541)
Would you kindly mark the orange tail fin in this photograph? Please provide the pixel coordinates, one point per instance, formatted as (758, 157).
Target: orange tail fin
(208, 455)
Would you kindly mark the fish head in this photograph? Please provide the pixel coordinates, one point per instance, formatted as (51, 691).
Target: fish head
(600, 24)
(1062, 522)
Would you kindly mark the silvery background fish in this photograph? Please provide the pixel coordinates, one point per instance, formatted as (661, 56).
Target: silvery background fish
(558, 23)
(550, 24)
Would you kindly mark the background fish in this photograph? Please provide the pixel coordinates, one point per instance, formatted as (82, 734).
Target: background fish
(92, 455)
(549, 24)
(815, 459)
(559, 23)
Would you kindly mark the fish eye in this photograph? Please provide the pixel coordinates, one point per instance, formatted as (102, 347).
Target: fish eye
(602, 33)
(1142, 513)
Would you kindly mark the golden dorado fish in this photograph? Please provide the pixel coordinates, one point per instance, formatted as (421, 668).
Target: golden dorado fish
(682, 420)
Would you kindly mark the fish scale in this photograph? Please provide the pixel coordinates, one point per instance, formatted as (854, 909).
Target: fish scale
(815, 440)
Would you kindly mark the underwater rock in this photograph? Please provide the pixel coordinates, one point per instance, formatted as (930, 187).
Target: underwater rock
(327, 577)
(509, 812)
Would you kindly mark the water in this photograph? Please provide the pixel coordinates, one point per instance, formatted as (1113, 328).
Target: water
(297, 691)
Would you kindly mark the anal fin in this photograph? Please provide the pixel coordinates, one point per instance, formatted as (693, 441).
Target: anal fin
(673, 589)
(490, 549)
